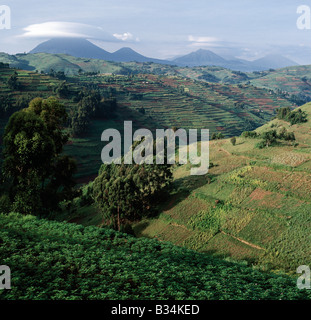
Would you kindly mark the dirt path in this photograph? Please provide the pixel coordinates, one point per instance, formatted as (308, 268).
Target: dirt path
(243, 241)
(225, 151)
(179, 226)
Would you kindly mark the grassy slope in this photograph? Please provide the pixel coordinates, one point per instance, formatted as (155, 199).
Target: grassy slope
(287, 79)
(256, 206)
(51, 260)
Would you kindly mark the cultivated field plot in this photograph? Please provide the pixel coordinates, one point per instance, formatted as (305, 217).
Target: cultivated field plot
(254, 204)
(176, 101)
(294, 80)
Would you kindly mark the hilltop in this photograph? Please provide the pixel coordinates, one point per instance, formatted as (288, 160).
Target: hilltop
(82, 48)
(204, 57)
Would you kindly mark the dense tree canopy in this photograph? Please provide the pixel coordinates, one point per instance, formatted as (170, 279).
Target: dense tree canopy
(128, 192)
(33, 143)
(293, 117)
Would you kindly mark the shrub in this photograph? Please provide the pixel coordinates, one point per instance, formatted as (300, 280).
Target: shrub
(249, 134)
(233, 141)
(293, 117)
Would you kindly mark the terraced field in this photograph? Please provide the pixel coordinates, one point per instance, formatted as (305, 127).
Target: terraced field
(175, 101)
(294, 80)
(254, 204)
(152, 101)
(87, 149)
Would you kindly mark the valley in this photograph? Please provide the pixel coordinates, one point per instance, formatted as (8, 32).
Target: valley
(249, 212)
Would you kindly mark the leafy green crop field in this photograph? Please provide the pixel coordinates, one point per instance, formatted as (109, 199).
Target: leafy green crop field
(53, 260)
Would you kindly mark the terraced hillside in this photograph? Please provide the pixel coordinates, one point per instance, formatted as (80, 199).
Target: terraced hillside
(150, 101)
(287, 81)
(294, 80)
(253, 205)
(176, 101)
(86, 150)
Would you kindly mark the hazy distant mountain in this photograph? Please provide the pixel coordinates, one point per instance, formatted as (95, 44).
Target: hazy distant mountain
(200, 58)
(82, 48)
(127, 55)
(274, 62)
(203, 57)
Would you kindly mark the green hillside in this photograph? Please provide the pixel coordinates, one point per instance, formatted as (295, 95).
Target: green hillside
(293, 80)
(85, 149)
(184, 103)
(71, 65)
(51, 260)
(285, 82)
(239, 232)
(152, 101)
(253, 205)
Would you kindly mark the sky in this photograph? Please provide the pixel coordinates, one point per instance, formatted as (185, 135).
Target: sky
(164, 29)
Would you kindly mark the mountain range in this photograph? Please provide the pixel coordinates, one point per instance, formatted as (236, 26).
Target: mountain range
(83, 48)
(203, 57)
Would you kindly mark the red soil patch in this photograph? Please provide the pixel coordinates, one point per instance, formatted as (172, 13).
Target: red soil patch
(267, 199)
(259, 194)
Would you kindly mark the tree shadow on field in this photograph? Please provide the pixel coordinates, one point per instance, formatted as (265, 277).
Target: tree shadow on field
(228, 257)
(140, 227)
(182, 189)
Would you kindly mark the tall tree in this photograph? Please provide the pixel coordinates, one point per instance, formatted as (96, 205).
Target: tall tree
(128, 192)
(33, 143)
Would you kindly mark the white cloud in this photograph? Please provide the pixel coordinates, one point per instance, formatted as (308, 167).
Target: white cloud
(126, 36)
(59, 29)
(203, 41)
